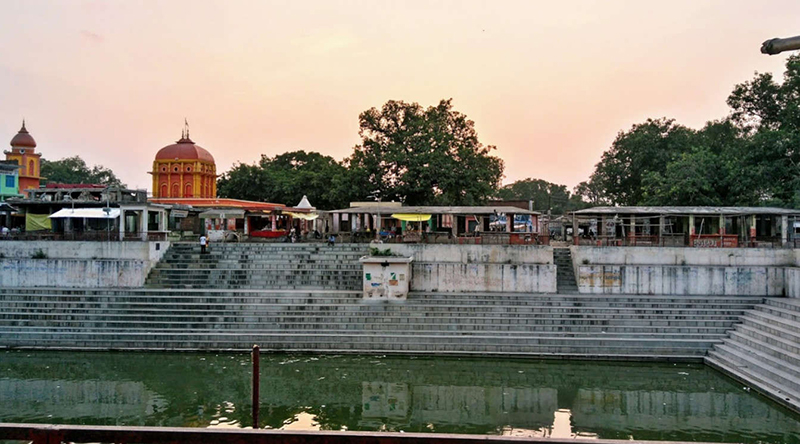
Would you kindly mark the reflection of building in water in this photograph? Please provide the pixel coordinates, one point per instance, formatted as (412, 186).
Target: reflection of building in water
(528, 407)
(384, 400)
(663, 411)
(64, 399)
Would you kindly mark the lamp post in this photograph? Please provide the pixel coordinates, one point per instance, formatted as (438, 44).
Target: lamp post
(777, 45)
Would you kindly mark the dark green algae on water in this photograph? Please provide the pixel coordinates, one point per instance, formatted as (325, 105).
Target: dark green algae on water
(646, 401)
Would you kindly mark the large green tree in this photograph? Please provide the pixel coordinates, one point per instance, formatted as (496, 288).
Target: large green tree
(287, 177)
(74, 170)
(545, 195)
(646, 148)
(423, 156)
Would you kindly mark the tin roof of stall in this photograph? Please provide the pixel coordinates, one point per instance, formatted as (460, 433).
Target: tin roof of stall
(670, 210)
(476, 210)
(219, 203)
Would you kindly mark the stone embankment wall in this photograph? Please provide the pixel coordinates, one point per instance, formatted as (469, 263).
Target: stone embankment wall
(480, 268)
(674, 271)
(77, 273)
(77, 264)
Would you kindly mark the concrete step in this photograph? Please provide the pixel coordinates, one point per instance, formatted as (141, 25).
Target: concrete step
(761, 363)
(788, 331)
(788, 344)
(292, 338)
(763, 385)
(114, 322)
(762, 346)
(765, 317)
(336, 345)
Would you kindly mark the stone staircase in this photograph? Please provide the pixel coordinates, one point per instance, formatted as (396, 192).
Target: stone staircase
(508, 324)
(565, 272)
(260, 266)
(764, 350)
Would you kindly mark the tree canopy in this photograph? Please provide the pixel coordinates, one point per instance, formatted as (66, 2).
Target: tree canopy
(749, 158)
(546, 196)
(423, 156)
(286, 177)
(74, 170)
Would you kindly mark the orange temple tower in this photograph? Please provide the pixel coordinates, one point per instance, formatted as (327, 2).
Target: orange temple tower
(183, 170)
(23, 151)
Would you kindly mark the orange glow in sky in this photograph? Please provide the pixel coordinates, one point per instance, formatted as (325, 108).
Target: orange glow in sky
(549, 83)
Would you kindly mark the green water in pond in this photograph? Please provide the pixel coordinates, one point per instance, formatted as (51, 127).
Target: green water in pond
(439, 395)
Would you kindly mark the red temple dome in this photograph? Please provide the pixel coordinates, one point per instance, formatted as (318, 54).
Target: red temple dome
(184, 149)
(23, 139)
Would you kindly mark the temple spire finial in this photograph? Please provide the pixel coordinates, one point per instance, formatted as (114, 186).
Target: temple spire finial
(186, 126)
(23, 129)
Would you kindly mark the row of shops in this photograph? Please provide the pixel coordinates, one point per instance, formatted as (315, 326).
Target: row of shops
(94, 212)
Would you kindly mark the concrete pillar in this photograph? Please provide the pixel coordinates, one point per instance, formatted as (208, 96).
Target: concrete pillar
(273, 220)
(752, 228)
(661, 226)
(784, 230)
(691, 225)
(632, 233)
(509, 222)
(377, 226)
(143, 227)
(121, 224)
(575, 239)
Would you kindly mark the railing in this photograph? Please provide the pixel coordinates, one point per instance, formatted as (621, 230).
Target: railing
(54, 434)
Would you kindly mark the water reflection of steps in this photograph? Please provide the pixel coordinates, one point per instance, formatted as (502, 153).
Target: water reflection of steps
(764, 350)
(506, 324)
(258, 266)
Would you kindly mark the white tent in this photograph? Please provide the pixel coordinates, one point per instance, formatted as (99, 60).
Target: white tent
(87, 213)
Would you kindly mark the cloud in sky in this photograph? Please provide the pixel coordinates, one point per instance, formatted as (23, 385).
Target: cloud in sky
(91, 36)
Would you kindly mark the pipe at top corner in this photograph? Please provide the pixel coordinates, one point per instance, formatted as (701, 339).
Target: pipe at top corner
(777, 45)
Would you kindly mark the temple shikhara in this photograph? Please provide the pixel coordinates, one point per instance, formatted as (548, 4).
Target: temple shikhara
(184, 170)
(23, 152)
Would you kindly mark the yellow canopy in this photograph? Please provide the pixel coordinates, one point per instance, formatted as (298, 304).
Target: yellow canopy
(37, 222)
(412, 217)
(304, 216)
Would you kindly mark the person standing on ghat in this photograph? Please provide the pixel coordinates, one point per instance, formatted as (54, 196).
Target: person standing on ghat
(203, 243)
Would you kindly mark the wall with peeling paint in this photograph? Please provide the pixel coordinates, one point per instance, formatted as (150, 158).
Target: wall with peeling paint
(76, 273)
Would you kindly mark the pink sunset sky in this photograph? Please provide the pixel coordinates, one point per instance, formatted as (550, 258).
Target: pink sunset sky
(549, 83)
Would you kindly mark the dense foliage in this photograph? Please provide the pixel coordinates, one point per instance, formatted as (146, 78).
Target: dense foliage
(287, 177)
(74, 170)
(408, 154)
(749, 158)
(546, 196)
(423, 156)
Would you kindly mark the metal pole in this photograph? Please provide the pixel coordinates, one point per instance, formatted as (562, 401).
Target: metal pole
(776, 46)
(256, 398)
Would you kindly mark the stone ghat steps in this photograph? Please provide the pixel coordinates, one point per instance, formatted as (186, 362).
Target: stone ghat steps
(764, 350)
(599, 326)
(542, 327)
(258, 246)
(276, 272)
(272, 295)
(364, 342)
(256, 266)
(290, 264)
(424, 310)
(290, 258)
